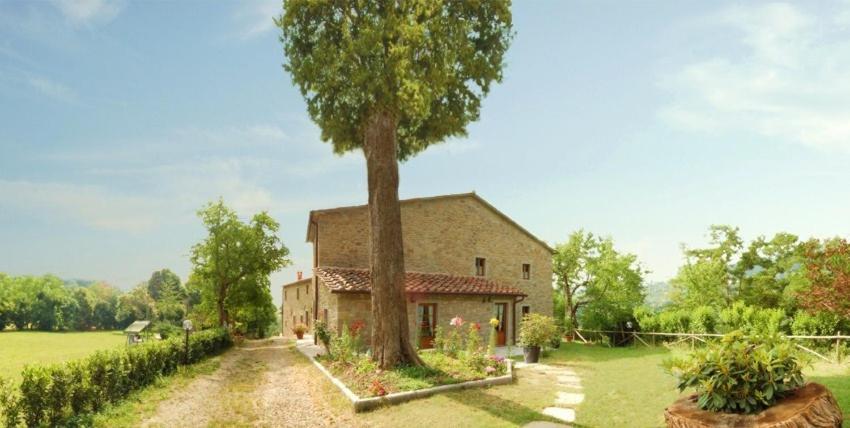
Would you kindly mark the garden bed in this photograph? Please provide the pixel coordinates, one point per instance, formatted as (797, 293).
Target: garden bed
(368, 387)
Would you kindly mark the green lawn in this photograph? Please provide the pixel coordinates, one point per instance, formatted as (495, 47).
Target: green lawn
(18, 348)
(628, 386)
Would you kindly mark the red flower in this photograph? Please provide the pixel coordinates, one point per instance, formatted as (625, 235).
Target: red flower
(476, 326)
(377, 388)
(356, 326)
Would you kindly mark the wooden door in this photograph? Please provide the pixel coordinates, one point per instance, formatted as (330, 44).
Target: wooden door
(502, 328)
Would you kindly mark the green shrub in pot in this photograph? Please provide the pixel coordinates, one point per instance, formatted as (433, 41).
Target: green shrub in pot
(740, 374)
(536, 331)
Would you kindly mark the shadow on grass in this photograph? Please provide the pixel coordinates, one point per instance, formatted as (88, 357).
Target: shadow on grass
(578, 352)
(499, 407)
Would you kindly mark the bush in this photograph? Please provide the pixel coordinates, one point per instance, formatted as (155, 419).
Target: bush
(324, 335)
(55, 394)
(753, 320)
(674, 321)
(739, 374)
(703, 320)
(536, 330)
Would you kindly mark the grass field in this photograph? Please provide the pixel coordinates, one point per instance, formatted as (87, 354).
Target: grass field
(18, 348)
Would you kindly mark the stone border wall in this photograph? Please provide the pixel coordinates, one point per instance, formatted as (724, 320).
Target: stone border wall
(366, 404)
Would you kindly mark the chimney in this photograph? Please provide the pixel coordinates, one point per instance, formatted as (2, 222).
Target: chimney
(300, 275)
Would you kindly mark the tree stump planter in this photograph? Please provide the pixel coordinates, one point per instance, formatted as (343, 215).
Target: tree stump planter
(811, 406)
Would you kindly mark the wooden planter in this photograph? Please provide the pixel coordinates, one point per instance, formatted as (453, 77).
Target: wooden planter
(811, 406)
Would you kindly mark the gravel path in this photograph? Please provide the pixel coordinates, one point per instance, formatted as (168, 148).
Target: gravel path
(261, 383)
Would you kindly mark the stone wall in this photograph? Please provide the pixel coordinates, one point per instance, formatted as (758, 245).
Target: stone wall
(298, 303)
(445, 235)
(354, 307)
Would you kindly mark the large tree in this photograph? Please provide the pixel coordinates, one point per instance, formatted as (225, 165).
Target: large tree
(708, 276)
(828, 274)
(232, 265)
(598, 280)
(390, 78)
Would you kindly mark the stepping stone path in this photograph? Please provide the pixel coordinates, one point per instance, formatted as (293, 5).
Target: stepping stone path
(569, 394)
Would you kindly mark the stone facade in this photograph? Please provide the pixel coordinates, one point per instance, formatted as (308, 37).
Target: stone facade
(297, 305)
(443, 234)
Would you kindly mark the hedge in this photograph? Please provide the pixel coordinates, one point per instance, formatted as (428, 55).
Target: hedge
(59, 394)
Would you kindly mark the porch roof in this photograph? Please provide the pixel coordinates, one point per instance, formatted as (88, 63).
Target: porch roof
(357, 281)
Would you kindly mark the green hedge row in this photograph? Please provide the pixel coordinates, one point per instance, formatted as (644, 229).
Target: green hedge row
(58, 394)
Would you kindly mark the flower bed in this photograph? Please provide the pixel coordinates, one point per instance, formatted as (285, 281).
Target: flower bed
(364, 378)
(458, 360)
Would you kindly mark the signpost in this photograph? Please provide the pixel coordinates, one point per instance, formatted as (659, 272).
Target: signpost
(187, 327)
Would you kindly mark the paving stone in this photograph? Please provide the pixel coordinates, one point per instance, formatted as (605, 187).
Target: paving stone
(544, 424)
(560, 413)
(569, 398)
(570, 379)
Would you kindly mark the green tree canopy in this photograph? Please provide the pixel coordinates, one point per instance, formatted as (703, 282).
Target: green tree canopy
(427, 63)
(597, 280)
(231, 267)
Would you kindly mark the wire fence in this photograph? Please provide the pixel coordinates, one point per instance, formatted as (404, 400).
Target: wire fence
(829, 348)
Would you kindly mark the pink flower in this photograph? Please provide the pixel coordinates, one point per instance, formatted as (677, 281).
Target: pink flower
(490, 370)
(456, 321)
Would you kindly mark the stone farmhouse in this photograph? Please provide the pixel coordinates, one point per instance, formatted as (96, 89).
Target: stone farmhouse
(463, 258)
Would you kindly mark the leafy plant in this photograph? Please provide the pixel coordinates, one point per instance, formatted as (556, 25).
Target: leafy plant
(740, 374)
(537, 330)
(323, 333)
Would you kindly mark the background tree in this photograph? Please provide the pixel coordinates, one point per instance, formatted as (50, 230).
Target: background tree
(605, 285)
(136, 305)
(230, 268)
(164, 284)
(770, 270)
(391, 78)
(708, 276)
(828, 274)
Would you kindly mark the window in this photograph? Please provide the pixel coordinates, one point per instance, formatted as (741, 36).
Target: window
(297, 293)
(325, 316)
(526, 271)
(308, 318)
(526, 310)
(307, 289)
(480, 268)
(285, 292)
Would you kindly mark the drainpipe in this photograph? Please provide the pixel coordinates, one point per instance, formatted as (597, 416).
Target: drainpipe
(315, 282)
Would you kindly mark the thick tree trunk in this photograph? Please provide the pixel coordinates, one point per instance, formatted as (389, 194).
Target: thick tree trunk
(570, 309)
(222, 312)
(811, 406)
(390, 332)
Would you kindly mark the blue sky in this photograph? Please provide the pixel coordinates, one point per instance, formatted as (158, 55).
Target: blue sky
(645, 121)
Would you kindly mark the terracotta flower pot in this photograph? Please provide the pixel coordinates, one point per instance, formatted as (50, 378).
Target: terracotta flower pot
(531, 354)
(299, 335)
(811, 406)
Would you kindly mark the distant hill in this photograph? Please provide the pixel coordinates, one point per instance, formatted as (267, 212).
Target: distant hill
(657, 294)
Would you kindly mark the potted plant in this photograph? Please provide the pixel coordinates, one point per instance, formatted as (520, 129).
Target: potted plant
(535, 331)
(299, 330)
(749, 381)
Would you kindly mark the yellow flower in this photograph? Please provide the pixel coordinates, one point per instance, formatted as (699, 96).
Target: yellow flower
(494, 322)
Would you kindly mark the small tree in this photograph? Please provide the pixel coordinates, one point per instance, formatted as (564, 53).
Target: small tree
(230, 268)
(597, 279)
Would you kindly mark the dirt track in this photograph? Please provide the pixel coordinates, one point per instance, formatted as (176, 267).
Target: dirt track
(261, 383)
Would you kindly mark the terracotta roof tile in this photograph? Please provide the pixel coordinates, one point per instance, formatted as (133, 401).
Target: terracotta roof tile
(357, 280)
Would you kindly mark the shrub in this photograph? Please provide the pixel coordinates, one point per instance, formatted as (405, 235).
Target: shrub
(56, 394)
(343, 346)
(703, 320)
(536, 330)
(674, 321)
(324, 335)
(752, 320)
(739, 374)
(646, 319)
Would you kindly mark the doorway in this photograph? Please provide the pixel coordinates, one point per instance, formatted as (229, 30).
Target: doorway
(502, 327)
(426, 323)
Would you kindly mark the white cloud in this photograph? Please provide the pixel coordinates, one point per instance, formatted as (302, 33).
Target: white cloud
(85, 12)
(92, 205)
(51, 88)
(784, 78)
(256, 18)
